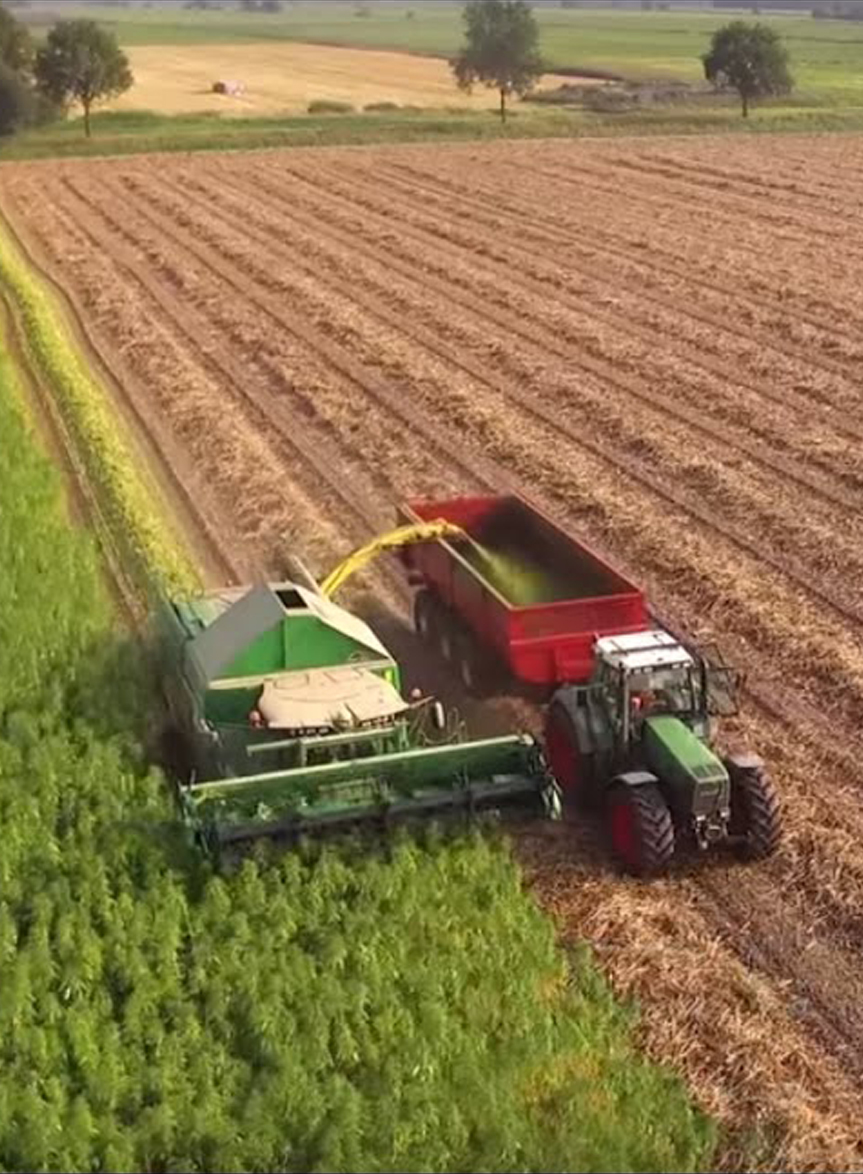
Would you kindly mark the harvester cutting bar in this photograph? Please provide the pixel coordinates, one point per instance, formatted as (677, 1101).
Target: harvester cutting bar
(473, 777)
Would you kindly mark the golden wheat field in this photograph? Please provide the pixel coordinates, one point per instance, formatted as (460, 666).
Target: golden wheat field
(659, 342)
(284, 78)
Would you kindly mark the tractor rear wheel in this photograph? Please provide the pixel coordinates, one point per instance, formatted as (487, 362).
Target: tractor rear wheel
(563, 753)
(642, 832)
(756, 814)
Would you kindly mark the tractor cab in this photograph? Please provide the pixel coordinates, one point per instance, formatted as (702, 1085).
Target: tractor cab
(642, 675)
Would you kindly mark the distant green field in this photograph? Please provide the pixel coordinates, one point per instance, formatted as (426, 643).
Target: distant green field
(827, 55)
(137, 133)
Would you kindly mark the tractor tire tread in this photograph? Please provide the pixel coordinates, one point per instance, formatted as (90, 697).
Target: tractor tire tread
(763, 814)
(655, 828)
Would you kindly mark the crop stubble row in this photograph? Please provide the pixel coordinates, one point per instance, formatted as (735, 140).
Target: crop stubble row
(309, 359)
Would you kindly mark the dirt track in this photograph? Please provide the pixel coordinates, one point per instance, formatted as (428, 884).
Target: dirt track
(660, 343)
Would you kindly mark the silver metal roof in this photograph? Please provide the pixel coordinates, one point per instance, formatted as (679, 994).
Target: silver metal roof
(638, 651)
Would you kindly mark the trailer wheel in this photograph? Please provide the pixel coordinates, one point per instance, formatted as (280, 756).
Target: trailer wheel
(642, 833)
(426, 609)
(472, 672)
(564, 756)
(756, 814)
(446, 636)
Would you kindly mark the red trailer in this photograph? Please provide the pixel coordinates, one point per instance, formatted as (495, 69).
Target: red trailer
(517, 586)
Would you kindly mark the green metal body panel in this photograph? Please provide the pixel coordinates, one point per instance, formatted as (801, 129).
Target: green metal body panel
(299, 642)
(696, 779)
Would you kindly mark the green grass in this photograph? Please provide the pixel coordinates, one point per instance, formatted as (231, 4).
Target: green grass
(142, 132)
(136, 528)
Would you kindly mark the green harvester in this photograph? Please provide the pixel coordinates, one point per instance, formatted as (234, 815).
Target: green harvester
(288, 717)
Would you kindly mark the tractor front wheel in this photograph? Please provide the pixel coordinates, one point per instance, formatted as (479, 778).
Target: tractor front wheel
(642, 832)
(756, 815)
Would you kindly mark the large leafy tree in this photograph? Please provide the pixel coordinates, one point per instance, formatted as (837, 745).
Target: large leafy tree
(748, 58)
(16, 48)
(15, 45)
(18, 103)
(82, 62)
(501, 48)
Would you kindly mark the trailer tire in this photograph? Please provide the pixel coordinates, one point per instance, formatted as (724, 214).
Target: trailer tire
(641, 829)
(426, 610)
(756, 814)
(472, 671)
(446, 636)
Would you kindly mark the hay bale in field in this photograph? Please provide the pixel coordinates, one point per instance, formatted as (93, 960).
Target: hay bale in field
(232, 89)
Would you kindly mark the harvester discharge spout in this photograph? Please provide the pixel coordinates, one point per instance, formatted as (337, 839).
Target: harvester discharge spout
(394, 540)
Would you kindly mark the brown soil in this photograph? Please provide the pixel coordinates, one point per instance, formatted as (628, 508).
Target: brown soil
(657, 341)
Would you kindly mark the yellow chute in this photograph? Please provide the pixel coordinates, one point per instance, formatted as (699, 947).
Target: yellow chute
(403, 536)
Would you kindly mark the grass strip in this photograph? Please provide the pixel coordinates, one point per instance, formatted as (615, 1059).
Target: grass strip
(149, 547)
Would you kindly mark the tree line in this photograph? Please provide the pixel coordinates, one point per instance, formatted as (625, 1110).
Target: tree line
(80, 63)
(501, 51)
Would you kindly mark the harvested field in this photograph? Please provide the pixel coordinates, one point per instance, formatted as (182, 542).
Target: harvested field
(659, 342)
(281, 77)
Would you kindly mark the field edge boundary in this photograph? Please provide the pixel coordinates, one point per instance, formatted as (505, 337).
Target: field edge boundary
(140, 544)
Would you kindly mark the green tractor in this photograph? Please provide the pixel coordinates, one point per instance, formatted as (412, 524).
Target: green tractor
(639, 739)
(288, 717)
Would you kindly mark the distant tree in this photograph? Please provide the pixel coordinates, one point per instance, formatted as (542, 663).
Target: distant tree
(501, 48)
(16, 48)
(748, 58)
(17, 101)
(81, 62)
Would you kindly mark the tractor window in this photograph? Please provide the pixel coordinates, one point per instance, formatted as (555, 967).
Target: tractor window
(610, 688)
(722, 686)
(674, 690)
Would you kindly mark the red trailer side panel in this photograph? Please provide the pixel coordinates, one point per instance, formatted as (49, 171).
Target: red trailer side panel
(546, 643)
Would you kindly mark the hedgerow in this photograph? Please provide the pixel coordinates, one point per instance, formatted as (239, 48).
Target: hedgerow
(343, 1009)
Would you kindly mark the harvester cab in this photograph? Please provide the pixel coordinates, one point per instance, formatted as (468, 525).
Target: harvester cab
(640, 737)
(290, 718)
